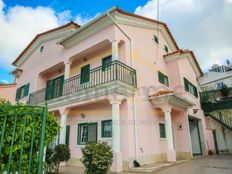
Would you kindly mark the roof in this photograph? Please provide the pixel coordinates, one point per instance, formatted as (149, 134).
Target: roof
(161, 92)
(190, 52)
(8, 85)
(115, 8)
(151, 20)
(41, 34)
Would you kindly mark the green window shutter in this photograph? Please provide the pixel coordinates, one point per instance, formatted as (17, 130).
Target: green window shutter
(67, 134)
(92, 132)
(106, 62)
(166, 48)
(61, 85)
(156, 39)
(18, 94)
(195, 92)
(162, 130)
(85, 74)
(27, 86)
(106, 128)
(186, 85)
(161, 77)
(49, 90)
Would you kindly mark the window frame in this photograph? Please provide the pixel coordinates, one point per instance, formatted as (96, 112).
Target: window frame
(102, 129)
(166, 49)
(163, 135)
(156, 39)
(85, 78)
(79, 142)
(165, 78)
(105, 66)
(188, 85)
(25, 88)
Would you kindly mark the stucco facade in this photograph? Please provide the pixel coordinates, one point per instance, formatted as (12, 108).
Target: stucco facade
(129, 91)
(8, 92)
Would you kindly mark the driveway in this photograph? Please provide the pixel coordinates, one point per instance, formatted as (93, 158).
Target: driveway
(217, 164)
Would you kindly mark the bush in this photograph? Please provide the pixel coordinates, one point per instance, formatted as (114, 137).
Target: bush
(52, 128)
(54, 157)
(97, 158)
(225, 91)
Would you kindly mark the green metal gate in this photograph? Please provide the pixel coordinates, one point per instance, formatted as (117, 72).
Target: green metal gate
(22, 140)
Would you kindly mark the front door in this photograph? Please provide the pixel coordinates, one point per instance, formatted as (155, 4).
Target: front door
(215, 142)
(195, 137)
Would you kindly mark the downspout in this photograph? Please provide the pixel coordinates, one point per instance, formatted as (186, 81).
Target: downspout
(133, 96)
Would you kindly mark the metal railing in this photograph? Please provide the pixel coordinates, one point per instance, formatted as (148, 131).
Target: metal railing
(116, 70)
(223, 118)
(216, 99)
(21, 146)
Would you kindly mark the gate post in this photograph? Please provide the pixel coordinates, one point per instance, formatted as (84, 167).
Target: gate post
(42, 140)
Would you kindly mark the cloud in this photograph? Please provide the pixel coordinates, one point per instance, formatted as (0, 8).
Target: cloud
(19, 25)
(203, 26)
(4, 81)
(83, 19)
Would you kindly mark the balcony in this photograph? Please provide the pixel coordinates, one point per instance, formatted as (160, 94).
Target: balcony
(115, 77)
(216, 99)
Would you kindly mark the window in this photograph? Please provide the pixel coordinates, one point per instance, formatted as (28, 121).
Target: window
(163, 78)
(220, 85)
(189, 87)
(86, 132)
(85, 74)
(106, 62)
(156, 39)
(67, 134)
(106, 128)
(162, 130)
(22, 92)
(54, 88)
(166, 48)
(41, 49)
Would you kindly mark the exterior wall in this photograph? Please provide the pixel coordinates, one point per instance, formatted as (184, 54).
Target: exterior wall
(210, 80)
(8, 92)
(223, 136)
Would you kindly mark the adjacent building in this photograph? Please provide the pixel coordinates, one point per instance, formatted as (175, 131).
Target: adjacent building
(122, 79)
(8, 92)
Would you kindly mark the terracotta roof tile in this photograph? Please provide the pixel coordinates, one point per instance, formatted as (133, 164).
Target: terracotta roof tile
(190, 52)
(161, 92)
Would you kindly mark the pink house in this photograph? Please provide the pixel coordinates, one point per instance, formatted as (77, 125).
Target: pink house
(121, 78)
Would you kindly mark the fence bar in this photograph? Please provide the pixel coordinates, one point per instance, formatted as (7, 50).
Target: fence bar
(21, 152)
(12, 144)
(42, 141)
(2, 134)
(32, 144)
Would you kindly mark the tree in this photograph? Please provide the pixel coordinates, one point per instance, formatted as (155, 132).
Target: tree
(97, 158)
(26, 119)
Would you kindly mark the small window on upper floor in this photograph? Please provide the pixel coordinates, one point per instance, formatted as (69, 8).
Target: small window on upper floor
(166, 48)
(41, 49)
(162, 130)
(189, 87)
(163, 78)
(156, 39)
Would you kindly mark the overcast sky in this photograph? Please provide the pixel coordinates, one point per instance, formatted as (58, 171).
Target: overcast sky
(203, 26)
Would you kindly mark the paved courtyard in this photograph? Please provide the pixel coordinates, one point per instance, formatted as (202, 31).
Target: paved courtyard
(217, 164)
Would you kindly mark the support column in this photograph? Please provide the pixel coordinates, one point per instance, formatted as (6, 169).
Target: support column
(63, 128)
(171, 153)
(67, 70)
(117, 161)
(114, 50)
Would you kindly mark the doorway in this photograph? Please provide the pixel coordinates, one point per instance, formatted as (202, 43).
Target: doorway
(195, 136)
(215, 142)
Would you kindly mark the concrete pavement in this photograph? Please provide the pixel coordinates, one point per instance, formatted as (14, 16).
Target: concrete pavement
(217, 164)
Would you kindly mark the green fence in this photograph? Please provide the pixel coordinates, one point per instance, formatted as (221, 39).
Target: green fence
(22, 140)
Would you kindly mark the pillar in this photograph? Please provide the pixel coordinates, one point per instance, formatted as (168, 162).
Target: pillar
(114, 50)
(67, 70)
(63, 128)
(171, 153)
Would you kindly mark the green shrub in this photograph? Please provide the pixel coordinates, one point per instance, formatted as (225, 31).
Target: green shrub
(54, 157)
(52, 128)
(97, 158)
